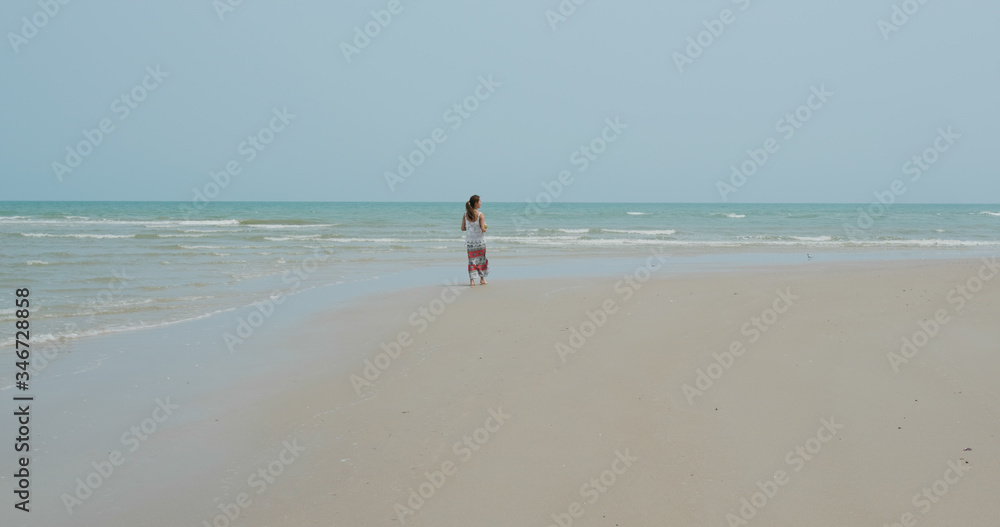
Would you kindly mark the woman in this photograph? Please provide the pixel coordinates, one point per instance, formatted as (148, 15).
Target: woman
(474, 224)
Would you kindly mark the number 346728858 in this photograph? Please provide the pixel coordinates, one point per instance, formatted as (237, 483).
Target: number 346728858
(22, 337)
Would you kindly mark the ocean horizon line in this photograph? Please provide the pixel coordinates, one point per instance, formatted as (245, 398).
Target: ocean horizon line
(526, 200)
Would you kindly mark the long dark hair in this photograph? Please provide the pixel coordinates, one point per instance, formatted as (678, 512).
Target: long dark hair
(470, 207)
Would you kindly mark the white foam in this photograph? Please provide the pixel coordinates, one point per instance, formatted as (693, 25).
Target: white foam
(102, 307)
(638, 213)
(36, 338)
(813, 238)
(146, 223)
(541, 240)
(749, 241)
(283, 226)
(69, 335)
(939, 243)
(651, 232)
(97, 236)
(394, 240)
(292, 237)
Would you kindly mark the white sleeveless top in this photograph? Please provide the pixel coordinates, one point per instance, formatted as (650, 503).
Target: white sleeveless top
(473, 233)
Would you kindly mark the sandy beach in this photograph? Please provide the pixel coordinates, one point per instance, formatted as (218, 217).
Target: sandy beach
(765, 396)
(741, 261)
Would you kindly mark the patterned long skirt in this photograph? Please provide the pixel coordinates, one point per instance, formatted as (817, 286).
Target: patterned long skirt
(479, 266)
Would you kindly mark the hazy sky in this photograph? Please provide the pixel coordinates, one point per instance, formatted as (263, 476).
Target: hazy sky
(181, 86)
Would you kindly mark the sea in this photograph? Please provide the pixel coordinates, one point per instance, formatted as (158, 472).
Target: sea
(104, 267)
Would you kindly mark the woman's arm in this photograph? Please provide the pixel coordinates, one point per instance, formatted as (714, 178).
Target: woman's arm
(482, 221)
(463, 222)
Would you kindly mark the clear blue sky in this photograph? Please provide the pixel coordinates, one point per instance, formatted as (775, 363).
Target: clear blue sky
(222, 78)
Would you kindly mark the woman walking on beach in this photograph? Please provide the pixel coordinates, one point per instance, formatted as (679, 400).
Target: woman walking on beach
(474, 224)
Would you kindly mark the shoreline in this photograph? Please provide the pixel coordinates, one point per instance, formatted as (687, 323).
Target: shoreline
(170, 268)
(389, 279)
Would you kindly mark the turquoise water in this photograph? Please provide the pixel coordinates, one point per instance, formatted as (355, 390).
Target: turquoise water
(100, 267)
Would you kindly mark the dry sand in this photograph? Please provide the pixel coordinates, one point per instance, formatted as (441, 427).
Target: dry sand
(810, 424)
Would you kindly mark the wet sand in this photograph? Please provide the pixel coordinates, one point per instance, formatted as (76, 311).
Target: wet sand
(764, 396)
